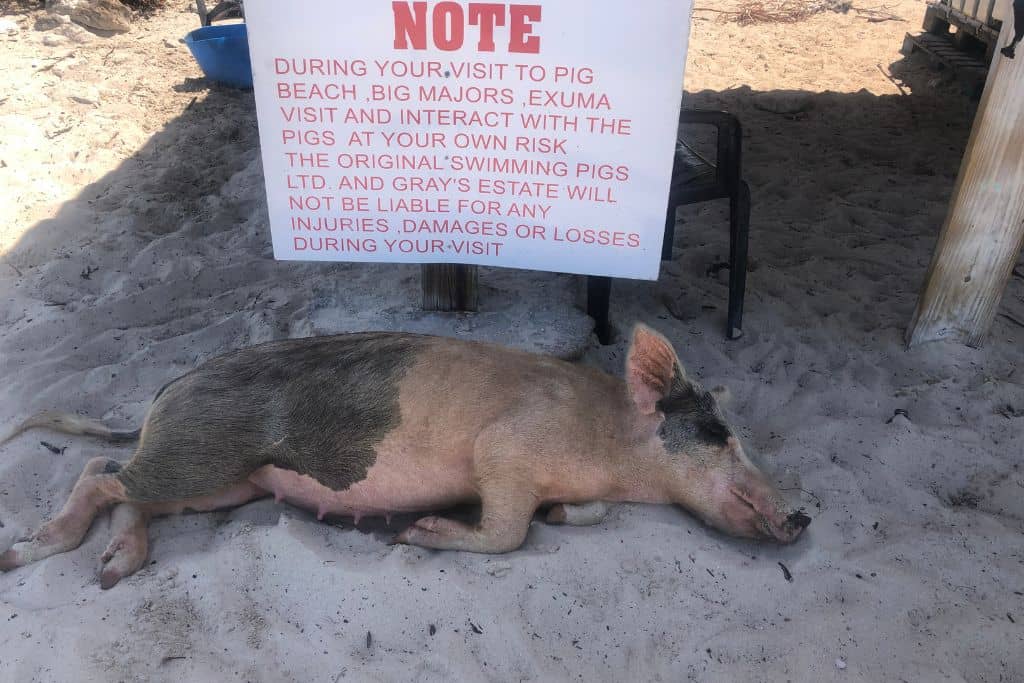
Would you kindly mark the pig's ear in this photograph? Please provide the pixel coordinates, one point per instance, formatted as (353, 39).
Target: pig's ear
(651, 367)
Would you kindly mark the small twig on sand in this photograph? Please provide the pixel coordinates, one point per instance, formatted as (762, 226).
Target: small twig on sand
(16, 269)
(57, 133)
(891, 79)
(785, 573)
(877, 15)
(55, 62)
(797, 488)
(56, 450)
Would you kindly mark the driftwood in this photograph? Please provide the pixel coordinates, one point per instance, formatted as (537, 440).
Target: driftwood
(778, 11)
(792, 11)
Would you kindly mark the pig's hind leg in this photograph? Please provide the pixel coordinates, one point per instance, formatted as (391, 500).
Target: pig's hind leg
(96, 488)
(129, 545)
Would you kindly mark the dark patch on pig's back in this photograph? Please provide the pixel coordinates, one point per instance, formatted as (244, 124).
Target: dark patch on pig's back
(318, 406)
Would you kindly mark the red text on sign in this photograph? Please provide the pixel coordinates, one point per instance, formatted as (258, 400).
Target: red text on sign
(448, 23)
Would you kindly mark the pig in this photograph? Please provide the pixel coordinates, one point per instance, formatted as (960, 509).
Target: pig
(379, 423)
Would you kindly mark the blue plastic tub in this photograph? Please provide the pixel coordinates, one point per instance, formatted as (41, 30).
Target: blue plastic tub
(222, 52)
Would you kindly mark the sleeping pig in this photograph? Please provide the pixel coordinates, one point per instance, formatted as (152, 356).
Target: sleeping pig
(376, 423)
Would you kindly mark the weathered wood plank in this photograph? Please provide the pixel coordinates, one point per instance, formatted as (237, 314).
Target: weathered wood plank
(984, 229)
(449, 287)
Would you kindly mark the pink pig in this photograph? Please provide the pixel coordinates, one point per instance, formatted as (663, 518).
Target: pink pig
(376, 423)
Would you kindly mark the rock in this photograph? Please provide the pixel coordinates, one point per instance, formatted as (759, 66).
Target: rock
(499, 569)
(74, 33)
(783, 101)
(840, 664)
(682, 306)
(54, 40)
(60, 7)
(102, 15)
(9, 26)
(48, 21)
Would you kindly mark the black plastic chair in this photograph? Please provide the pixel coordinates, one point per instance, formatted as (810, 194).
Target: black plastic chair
(227, 9)
(696, 179)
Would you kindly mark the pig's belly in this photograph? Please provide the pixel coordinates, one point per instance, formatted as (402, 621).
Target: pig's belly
(384, 491)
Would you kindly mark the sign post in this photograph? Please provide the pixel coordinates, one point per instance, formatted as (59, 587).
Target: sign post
(536, 136)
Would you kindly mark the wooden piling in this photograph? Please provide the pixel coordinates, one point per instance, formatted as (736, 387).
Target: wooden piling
(983, 234)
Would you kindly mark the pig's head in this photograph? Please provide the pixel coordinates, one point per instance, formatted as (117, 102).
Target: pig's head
(707, 471)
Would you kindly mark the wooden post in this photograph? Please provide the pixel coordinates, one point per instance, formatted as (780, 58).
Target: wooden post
(449, 287)
(599, 295)
(984, 229)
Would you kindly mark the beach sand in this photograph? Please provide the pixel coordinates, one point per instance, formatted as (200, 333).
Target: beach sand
(134, 245)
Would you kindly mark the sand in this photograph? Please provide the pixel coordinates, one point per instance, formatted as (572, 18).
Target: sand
(134, 245)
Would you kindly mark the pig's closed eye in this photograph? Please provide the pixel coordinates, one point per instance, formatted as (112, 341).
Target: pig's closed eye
(743, 498)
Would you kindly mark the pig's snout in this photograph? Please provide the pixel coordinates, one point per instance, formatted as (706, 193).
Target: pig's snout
(761, 509)
(791, 528)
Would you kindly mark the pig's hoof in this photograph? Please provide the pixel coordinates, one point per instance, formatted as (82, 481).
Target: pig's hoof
(9, 560)
(123, 557)
(577, 514)
(556, 515)
(427, 529)
(20, 554)
(401, 538)
(432, 524)
(411, 536)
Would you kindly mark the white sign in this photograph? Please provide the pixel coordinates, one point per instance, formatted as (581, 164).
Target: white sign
(535, 136)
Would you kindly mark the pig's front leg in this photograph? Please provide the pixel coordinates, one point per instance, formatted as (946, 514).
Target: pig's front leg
(583, 514)
(504, 521)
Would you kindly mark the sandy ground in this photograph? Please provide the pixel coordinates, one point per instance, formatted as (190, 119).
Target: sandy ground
(134, 244)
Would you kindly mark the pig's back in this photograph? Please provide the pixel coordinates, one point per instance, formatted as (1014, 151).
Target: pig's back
(457, 389)
(389, 406)
(318, 406)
